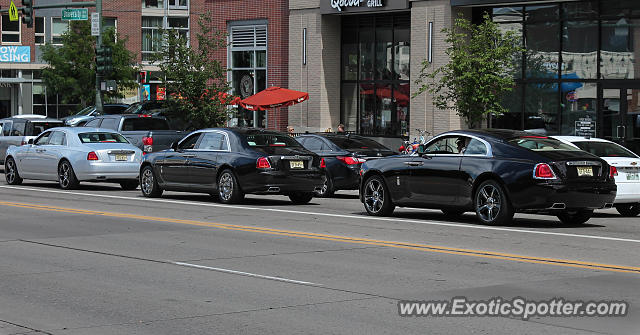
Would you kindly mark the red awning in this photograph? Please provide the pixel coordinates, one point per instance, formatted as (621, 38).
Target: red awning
(273, 97)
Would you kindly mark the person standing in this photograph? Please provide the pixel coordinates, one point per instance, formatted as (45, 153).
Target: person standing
(290, 130)
(341, 128)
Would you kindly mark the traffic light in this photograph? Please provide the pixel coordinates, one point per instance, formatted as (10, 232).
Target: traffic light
(143, 77)
(27, 13)
(104, 63)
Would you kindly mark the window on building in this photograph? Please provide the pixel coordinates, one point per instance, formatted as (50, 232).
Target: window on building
(180, 4)
(10, 30)
(152, 4)
(151, 26)
(39, 30)
(248, 63)
(181, 24)
(58, 28)
(109, 23)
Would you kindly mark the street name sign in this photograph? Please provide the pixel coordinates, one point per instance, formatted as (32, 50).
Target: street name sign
(75, 14)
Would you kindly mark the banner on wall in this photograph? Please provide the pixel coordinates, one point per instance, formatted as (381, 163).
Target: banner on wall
(146, 92)
(15, 54)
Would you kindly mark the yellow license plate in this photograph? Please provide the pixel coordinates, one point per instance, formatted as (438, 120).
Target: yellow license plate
(584, 171)
(122, 157)
(296, 164)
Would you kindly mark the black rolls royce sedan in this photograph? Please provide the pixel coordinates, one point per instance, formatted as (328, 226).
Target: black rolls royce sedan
(493, 172)
(230, 162)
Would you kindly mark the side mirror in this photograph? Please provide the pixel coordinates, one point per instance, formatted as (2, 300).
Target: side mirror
(30, 141)
(174, 146)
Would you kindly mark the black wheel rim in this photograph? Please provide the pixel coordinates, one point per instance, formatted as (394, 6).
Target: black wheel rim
(10, 172)
(488, 203)
(64, 175)
(226, 186)
(147, 181)
(374, 196)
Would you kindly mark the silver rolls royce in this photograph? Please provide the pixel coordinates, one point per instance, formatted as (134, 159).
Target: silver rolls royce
(71, 155)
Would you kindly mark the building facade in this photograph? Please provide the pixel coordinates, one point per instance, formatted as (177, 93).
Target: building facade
(359, 60)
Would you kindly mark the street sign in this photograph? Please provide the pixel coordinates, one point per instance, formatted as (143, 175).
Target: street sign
(75, 14)
(13, 12)
(95, 24)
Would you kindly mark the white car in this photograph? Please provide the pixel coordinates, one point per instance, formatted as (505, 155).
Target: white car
(627, 163)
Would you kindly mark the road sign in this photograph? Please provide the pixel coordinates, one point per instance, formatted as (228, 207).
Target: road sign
(13, 12)
(95, 24)
(75, 14)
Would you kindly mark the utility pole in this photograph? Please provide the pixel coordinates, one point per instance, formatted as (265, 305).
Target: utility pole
(98, 47)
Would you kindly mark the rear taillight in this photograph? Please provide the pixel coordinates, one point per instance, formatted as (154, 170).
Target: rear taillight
(263, 163)
(147, 142)
(543, 171)
(23, 143)
(613, 172)
(322, 164)
(92, 156)
(351, 160)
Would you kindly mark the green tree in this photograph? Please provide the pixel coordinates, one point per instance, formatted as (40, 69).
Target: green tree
(71, 70)
(479, 71)
(196, 83)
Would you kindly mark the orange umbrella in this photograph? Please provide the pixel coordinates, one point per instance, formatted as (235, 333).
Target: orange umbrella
(273, 97)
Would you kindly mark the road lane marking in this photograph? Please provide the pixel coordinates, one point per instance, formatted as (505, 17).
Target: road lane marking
(247, 274)
(343, 239)
(358, 217)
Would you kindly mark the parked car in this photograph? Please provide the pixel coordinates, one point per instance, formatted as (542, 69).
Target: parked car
(147, 132)
(626, 163)
(71, 155)
(80, 118)
(494, 173)
(19, 129)
(159, 108)
(343, 155)
(231, 162)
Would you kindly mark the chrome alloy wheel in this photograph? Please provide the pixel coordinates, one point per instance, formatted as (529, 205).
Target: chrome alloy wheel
(225, 186)
(147, 181)
(10, 171)
(374, 195)
(488, 203)
(63, 175)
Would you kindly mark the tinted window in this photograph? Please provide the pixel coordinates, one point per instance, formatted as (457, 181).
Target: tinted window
(6, 128)
(541, 143)
(356, 142)
(189, 142)
(144, 123)
(98, 137)
(271, 140)
(605, 149)
(314, 144)
(213, 141)
(110, 123)
(448, 145)
(36, 128)
(57, 138)
(18, 128)
(93, 123)
(113, 109)
(475, 147)
(43, 139)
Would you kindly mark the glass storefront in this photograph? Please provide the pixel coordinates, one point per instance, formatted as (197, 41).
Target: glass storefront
(579, 70)
(375, 74)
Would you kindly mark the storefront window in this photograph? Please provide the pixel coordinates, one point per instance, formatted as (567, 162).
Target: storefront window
(543, 45)
(580, 50)
(512, 118)
(619, 53)
(580, 10)
(541, 108)
(579, 109)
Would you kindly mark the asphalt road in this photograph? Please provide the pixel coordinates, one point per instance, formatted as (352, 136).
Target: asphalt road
(100, 260)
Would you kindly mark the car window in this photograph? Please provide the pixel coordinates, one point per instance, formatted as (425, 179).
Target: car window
(36, 127)
(101, 137)
(271, 140)
(213, 141)
(541, 143)
(113, 109)
(6, 128)
(313, 144)
(448, 145)
(110, 123)
(18, 128)
(95, 123)
(57, 138)
(475, 147)
(189, 142)
(144, 123)
(42, 139)
(356, 142)
(605, 149)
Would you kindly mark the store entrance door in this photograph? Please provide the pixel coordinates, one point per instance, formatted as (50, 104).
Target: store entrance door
(621, 116)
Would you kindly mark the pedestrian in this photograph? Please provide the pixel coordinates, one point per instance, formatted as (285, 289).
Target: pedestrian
(290, 130)
(341, 128)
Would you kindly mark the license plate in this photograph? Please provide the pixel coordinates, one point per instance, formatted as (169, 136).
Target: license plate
(296, 164)
(584, 171)
(122, 157)
(633, 176)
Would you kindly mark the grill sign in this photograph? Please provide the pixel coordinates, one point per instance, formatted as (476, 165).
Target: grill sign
(347, 6)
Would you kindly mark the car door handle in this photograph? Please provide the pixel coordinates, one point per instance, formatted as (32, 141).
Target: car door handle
(188, 155)
(40, 150)
(414, 163)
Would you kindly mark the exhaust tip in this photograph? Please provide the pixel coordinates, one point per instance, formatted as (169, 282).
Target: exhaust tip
(608, 205)
(273, 189)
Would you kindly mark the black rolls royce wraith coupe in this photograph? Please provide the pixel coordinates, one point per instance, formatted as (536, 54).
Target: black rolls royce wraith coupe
(494, 173)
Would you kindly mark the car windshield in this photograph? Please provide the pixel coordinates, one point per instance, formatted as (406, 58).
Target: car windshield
(102, 138)
(541, 143)
(605, 149)
(271, 140)
(39, 127)
(356, 142)
(85, 111)
(145, 123)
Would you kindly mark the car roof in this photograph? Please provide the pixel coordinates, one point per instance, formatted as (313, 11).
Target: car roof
(77, 130)
(580, 139)
(499, 134)
(106, 116)
(32, 118)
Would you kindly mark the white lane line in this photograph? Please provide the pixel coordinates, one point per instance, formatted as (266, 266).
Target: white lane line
(247, 274)
(359, 217)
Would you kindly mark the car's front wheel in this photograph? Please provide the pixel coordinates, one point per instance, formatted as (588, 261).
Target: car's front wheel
(300, 198)
(66, 177)
(148, 183)
(229, 190)
(628, 210)
(492, 205)
(11, 172)
(575, 217)
(377, 200)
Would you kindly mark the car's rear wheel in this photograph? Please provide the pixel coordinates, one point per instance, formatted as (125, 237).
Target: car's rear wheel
(377, 200)
(129, 185)
(300, 198)
(492, 205)
(327, 187)
(575, 217)
(149, 184)
(628, 210)
(66, 177)
(11, 172)
(228, 189)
